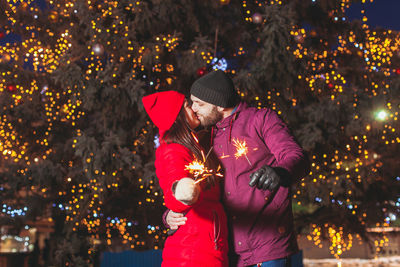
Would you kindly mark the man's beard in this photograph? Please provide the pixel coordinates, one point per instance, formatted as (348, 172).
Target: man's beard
(212, 118)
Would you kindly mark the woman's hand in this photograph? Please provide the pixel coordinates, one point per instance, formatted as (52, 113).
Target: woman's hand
(187, 191)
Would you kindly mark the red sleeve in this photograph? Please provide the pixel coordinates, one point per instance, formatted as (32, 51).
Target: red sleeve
(171, 160)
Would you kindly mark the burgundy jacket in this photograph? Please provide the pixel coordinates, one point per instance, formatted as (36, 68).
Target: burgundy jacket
(261, 222)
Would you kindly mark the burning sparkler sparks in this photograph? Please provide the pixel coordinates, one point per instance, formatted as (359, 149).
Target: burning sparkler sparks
(241, 149)
(198, 169)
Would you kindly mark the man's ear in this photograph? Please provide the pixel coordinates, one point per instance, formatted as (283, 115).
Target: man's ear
(220, 109)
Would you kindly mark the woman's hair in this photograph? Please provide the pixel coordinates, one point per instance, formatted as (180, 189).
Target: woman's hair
(181, 133)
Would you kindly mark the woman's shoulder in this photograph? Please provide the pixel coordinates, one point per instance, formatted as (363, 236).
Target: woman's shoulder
(172, 146)
(173, 149)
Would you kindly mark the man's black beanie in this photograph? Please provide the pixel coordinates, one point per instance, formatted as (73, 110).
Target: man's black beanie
(215, 88)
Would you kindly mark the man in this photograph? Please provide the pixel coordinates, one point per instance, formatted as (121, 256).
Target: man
(257, 182)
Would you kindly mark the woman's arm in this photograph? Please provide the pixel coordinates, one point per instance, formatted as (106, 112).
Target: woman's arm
(180, 191)
(186, 191)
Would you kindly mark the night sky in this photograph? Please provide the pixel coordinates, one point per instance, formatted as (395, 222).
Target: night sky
(380, 13)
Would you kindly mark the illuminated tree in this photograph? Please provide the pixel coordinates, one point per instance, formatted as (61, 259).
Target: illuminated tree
(78, 149)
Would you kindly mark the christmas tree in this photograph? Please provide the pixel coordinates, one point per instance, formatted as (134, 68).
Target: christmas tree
(77, 148)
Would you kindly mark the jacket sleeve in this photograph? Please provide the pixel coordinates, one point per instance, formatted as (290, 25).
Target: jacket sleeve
(171, 160)
(164, 218)
(288, 154)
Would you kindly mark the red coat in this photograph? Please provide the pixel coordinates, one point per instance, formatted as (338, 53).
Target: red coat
(202, 241)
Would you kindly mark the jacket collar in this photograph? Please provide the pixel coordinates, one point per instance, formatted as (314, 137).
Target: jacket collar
(226, 122)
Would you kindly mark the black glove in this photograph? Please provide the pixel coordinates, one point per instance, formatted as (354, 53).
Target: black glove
(269, 178)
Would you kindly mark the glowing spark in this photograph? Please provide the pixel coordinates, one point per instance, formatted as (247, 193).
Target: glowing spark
(224, 156)
(201, 172)
(241, 149)
(194, 137)
(201, 179)
(196, 168)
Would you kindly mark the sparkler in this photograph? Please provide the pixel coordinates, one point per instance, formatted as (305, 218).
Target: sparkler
(241, 149)
(198, 169)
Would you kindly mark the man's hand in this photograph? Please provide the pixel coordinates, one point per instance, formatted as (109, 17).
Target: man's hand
(268, 178)
(174, 220)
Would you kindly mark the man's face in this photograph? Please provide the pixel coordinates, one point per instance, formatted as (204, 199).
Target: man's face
(207, 113)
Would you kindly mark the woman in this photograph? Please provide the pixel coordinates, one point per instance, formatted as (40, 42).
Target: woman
(202, 241)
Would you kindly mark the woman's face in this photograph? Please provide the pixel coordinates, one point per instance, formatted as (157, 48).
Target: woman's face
(191, 117)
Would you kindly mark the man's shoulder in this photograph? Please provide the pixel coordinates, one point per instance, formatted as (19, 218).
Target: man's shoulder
(247, 110)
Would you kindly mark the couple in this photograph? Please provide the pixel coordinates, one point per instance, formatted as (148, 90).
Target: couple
(255, 195)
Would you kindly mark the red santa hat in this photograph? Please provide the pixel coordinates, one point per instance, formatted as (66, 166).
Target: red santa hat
(163, 108)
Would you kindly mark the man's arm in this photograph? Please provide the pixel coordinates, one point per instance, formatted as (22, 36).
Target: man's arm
(287, 152)
(292, 163)
(173, 220)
